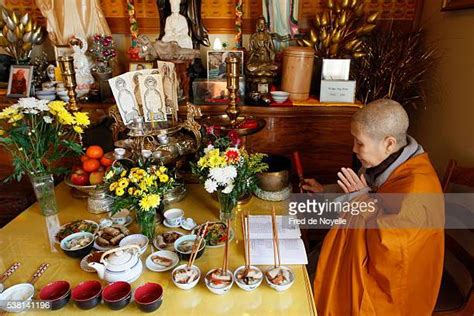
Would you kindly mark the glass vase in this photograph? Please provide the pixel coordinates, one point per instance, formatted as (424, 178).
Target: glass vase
(43, 185)
(227, 204)
(147, 221)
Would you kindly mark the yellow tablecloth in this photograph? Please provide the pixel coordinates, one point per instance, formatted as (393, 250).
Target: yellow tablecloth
(26, 240)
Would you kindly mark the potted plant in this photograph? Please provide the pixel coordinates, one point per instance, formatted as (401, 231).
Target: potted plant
(103, 50)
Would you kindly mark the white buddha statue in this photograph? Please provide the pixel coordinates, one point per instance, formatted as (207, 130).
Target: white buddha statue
(176, 27)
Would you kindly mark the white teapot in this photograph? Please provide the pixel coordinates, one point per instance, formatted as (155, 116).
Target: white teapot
(119, 264)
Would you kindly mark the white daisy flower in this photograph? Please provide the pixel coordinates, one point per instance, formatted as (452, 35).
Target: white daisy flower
(228, 188)
(47, 119)
(210, 186)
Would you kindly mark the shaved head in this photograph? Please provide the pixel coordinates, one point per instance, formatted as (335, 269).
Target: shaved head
(383, 118)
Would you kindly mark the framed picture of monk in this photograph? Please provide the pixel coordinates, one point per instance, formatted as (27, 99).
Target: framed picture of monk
(19, 82)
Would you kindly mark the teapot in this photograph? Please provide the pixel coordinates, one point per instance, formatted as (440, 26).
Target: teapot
(119, 264)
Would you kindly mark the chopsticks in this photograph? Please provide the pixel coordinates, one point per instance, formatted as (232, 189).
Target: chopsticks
(246, 238)
(276, 246)
(226, 250)
(199, 237)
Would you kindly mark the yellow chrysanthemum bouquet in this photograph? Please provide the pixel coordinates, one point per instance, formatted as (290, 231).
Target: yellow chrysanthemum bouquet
(141, 189)
(39, 133)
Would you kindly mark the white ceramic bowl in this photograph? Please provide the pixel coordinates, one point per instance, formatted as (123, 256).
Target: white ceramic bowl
(135, 239)
(186, 286)
(50, 97)
(279, 96)
(282, 287)
(242, 285)
(20, 292)
(222, 290)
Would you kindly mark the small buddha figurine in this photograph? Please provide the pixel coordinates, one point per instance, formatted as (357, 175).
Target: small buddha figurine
(261, 60)
(176, 27)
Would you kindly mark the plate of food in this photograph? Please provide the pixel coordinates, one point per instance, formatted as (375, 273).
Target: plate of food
(215, 235)
(162, 260)
(165, 241)
(110, 237)
(82, 225)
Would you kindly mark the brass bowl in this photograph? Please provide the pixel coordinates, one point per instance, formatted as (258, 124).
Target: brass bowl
(277, 177)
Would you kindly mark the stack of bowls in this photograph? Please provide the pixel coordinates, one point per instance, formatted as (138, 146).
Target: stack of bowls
(62, 94)
(46, 95)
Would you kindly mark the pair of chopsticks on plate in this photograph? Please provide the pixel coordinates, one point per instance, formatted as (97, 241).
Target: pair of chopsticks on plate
(226, 250)
(197, 244)
(246, 235)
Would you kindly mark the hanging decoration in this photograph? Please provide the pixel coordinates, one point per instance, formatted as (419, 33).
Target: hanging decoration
(133, 51)
(238, 23)
(340, 29)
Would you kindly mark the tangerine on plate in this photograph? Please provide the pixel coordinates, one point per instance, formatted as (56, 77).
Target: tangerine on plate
(94, 152)
(91, 165)
(106, 162)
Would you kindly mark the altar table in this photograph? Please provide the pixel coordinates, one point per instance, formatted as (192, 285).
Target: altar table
(25, 239)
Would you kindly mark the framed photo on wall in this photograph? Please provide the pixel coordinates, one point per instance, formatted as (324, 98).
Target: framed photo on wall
(63, 50)
(457, 4)
(140, 65)
(216, 66)
(19, 81)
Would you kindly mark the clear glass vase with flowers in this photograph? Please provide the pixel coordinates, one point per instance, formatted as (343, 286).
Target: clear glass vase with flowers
(140, 189)
(227, 170)
(39, 134)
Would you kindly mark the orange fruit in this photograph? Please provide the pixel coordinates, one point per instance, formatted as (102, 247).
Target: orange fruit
(106, 162)
(94, 152)
(84, 158)
(91, 165)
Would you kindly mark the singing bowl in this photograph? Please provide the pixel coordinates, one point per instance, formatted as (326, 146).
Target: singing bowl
(277, 177)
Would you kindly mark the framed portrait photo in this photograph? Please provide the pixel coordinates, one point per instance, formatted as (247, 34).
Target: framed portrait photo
(140, 65)
(216, 66)
(63, 50)
(457, 4)
(19, 81)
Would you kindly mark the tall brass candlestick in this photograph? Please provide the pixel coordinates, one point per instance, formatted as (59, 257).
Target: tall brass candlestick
(233, 74)
(66, 64)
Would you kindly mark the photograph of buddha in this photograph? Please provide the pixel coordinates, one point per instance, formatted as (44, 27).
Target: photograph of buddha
(216, 65)
(141, 65)
(19, 82)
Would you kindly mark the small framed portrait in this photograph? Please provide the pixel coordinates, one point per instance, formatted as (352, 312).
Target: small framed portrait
(215, 91)
(216, 66)
(19, 81)
(63, 50)
(140, 65)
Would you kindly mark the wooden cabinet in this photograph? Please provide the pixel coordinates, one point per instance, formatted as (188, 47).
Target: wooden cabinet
(320, 133)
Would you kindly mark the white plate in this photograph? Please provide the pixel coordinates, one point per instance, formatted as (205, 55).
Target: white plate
(63, 226)
(231, 233)
(96, 246)
(162, 253)
(186, 227)
(170, 246)
(169, 225)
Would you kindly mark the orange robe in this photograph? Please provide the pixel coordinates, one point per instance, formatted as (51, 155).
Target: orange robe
(385, 271)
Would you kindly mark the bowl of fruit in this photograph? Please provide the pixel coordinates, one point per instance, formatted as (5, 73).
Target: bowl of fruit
(87, 175)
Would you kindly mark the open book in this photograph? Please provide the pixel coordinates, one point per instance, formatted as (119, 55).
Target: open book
(292, 250)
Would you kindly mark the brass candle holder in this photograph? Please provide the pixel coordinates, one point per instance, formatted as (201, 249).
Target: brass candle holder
(66, 64)
(233, 74)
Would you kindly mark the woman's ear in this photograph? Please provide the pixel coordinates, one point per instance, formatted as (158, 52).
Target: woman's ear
(390, 145)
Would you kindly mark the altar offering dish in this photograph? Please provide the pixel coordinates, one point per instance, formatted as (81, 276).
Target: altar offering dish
(166, 240)
(215, 234)
(77, 245)
(109, 237)
(87, 294)
(58, 293)
(280, 278)
(117, 295)
(279, 96)
(75, 227)
(162, 260)
(184, 246)
(186, 278)
(135, 239)
(218, 282)
(149, 297)
(249, 279)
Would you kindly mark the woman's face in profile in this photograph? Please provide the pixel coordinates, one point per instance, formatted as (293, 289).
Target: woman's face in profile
(371, 152)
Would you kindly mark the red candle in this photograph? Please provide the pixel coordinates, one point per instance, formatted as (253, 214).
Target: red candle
(297, 164)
